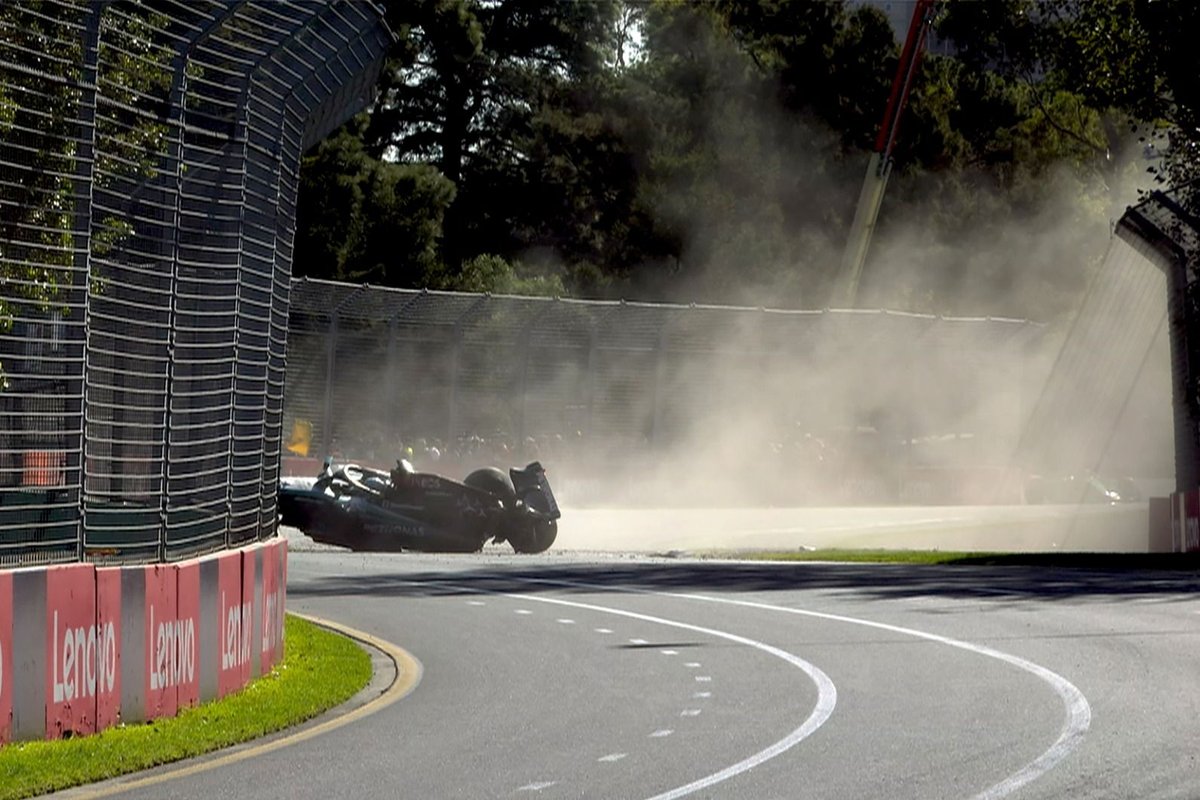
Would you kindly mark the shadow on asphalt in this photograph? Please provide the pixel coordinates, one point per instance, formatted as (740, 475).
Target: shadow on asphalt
(1090, 581)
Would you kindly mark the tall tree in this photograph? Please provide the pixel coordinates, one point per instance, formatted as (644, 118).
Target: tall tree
(1100, 73)
(466, 82)
(712, 151)
(750, 111)
(1173, 28)
(368, 220)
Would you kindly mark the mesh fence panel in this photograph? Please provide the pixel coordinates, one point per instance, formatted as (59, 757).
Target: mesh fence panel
(148, 171)
(493, 378)
(1164, 233)
(1098, 366)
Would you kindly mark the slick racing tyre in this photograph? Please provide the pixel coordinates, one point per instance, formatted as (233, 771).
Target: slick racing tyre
(493, 481)
(537, 538)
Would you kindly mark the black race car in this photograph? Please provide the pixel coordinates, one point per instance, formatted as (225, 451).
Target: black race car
(369, 509)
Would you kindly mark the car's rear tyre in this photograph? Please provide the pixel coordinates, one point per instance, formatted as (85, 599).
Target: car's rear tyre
(493, 481)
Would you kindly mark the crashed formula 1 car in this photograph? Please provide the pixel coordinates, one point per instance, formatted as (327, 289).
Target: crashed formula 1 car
(373, 510)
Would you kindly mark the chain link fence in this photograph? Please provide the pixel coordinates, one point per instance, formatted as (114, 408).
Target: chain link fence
(1106, 406)
(596, 389)
(148, 174)
(1111, 363)
(1164, 230)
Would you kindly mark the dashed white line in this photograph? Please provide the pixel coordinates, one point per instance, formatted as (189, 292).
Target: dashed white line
(638, 641)
(476, 603)
(703, 678)
(537, 787)
(661, 733)
(523, 611)
(1077, 710)
(612, 757)
(566, 621)
(692, 665)
(690, 712)
(822, 711)
(602, 630)
(669, 652)
(701, 695)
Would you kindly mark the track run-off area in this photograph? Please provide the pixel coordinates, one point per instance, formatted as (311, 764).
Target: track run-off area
(629, 674)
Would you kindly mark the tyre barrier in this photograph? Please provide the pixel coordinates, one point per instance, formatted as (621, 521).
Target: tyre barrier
(83, 648)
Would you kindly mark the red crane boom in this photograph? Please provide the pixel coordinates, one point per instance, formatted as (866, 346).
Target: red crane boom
(880, 166)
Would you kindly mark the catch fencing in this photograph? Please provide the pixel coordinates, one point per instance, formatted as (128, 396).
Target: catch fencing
(149, 154)
(465, 378)
(1109, 359)
(1165, 230)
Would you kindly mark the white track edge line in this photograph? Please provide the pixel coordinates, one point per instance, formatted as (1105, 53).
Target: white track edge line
(826, 691)
(1078, 711)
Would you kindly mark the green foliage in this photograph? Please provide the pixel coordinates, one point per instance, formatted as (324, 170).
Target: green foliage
(42, 108)
(714, 151)
(1099, 72)
(491, 273)
(366, 220)
(1172, 29)
(402, 203)
(36, 159)
(328, 217)
(662, 149)
(135, 69)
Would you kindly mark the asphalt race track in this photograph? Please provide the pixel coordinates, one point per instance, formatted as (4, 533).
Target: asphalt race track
(625, 675)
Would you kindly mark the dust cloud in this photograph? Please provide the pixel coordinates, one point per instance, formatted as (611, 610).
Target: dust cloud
(1024, 349)
(1021, 343)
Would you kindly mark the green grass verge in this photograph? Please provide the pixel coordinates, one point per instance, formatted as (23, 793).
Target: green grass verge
(320, 669)
(1150, 561)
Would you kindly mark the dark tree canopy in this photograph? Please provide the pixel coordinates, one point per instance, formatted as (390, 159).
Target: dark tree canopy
(713, 152)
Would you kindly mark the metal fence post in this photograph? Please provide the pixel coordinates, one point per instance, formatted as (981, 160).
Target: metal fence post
(240, 135)
(267, 509)
(174, 154)
(85, 167)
